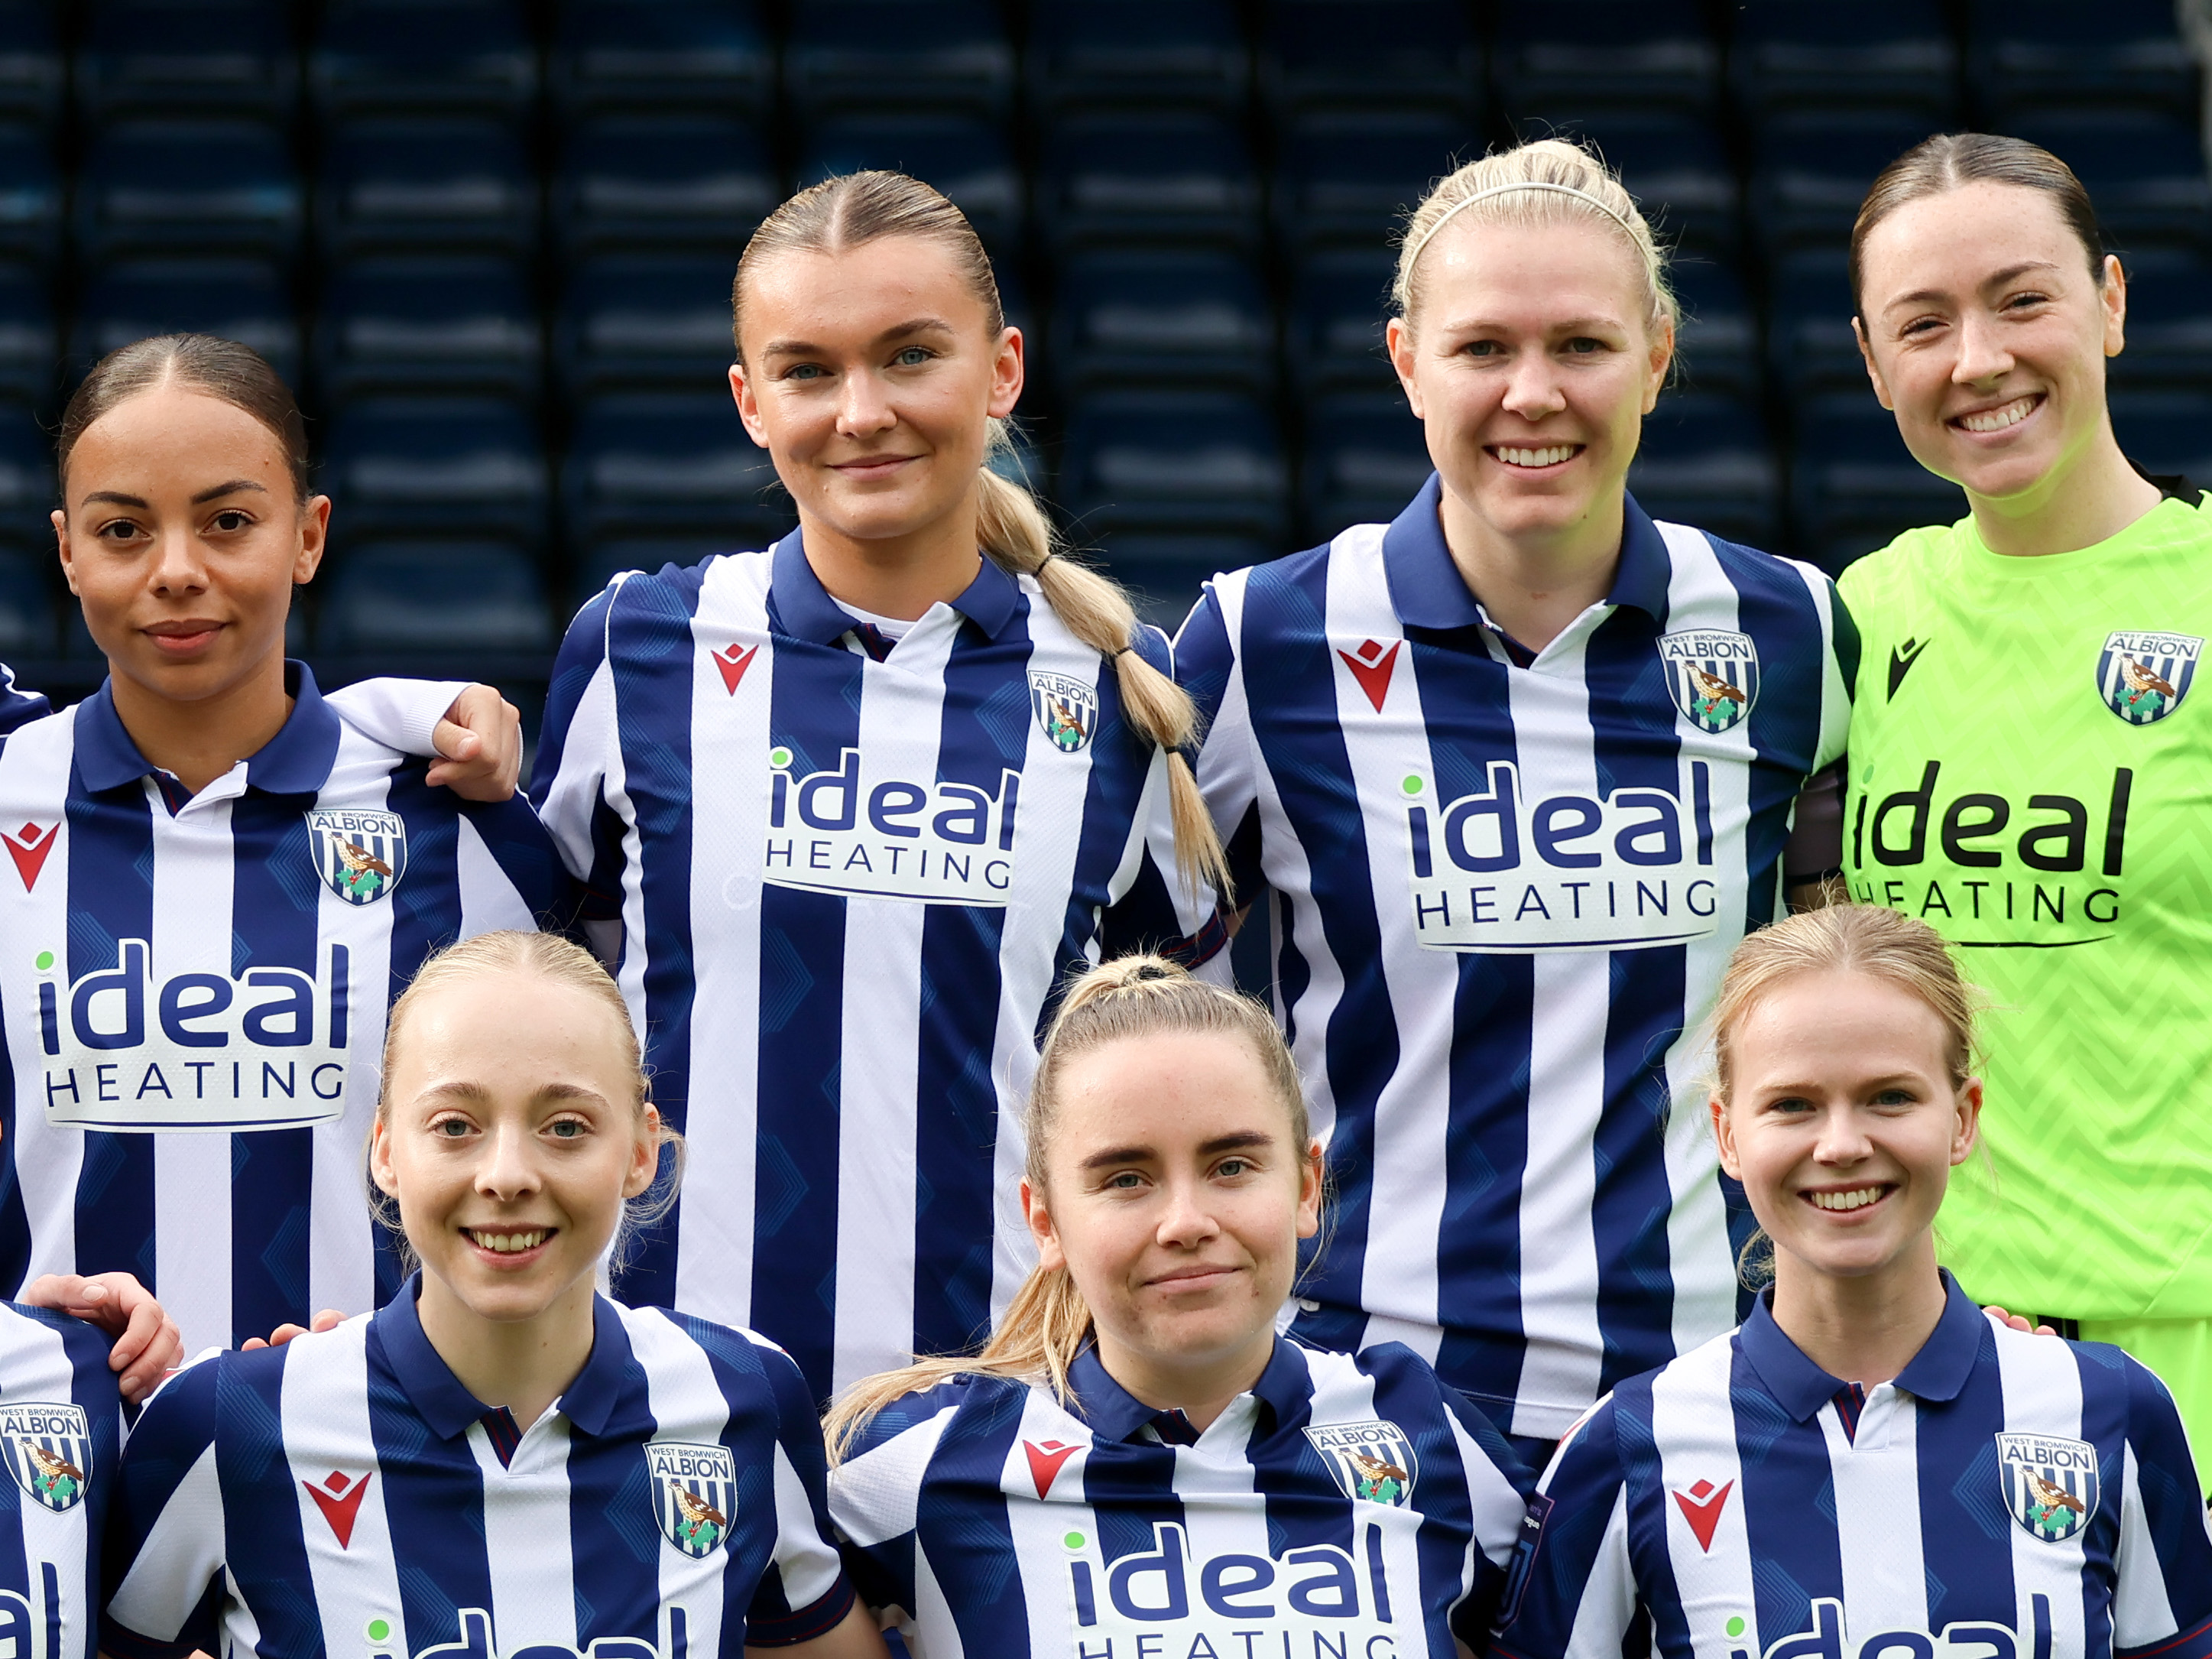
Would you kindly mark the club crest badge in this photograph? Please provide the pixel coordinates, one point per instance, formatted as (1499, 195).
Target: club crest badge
(1713, 674)
(695, 1493)
(2050, 1485)
(1373, 1461)
(361, 854)
(1067, 709)
(2142, 676)
(49, 1450)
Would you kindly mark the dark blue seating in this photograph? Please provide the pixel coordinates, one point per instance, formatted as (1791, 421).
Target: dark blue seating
(26, 603)
(967, 159)
(1677, 168)
(644, 321)
(1189, 319)
(2023, 57)
(1163, 574)
(1641, 54)
(1789, 55)
(1347, 177)
(2144, 172)
(249, 300)
(668, 464)
(422, 56)
(31, 63)
(1181, 463)
(28, 339)
(1396, 54)
(449, 323)
(1811, 170)
(1333, 328)
(633, 182)
(30, 192)
(412, 598)
(1185, 53)
(1809, 343)
(653, 55)
(1716, 348)
(27, 482)
(437, 467)
(2166, 432)
(1707, 460)
(208, 57)
(2169, 327)
(442, 184)
(1365, 458)
(887, 54)
(1854, 486)
(1162, 178)
(189, 186)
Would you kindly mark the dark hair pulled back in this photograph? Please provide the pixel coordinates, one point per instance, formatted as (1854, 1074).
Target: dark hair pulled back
(238, 374)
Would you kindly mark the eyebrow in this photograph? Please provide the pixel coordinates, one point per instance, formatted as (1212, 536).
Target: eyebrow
(1996, 279)
(1241, 1141)
(116, 498)
(476, 1092)
(808, 349)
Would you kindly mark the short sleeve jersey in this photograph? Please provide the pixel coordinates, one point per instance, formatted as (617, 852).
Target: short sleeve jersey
(847, 889)
(1506, 887)
(1344, 1506)
(61, 1432)
(192, 1001)
(2030, 774)
(345, 1494)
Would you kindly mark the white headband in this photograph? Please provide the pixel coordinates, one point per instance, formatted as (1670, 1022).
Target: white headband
(1413, 251)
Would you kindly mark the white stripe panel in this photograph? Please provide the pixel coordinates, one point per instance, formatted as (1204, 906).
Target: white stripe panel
(809, 1565)
(1492, 1498)
(2040, 1380)
(931, 1633)
(878, 1494)
(488, 900)
(1342, 1392)
(35, 1366)
(1877, 1494)
(1835, 690)
(1693, 1426)
(2143, 1613)
(687, 1404)
(528, 1551)
(572, 797)
(1038, 1529)
(183, 1549)
(324, 1405)
(1608, 1603)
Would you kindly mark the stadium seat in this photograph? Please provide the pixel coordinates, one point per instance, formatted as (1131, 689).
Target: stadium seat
(2166, 432)
(443, 183)
(1716, 348)
(1114, 53)
(967, 159)
(420, 55)
(249, 300)
(881, 55)
(407, 598)
(1809, 343)
(1158, 178)
(1811, 170)
(2169, 328)
(30, 191)
(26, 481)
(1365, 458)
(26, 603)
(1180, 462)
(652, 55)
(2144, 172)
(644, 320)
(31, 60)
(28, 341)
(667, 464)
(1165, 574)
(436, 466)
(202, 57)
(1399, 54)
(454, 323)
(1898, 53)
(1333, 327)
(1191, 318)
(1706, 460)
(1641, 54)
(2024, 56)
(189, 186)
(1678, 170)
(1854, 485)
(1347, 177)
(629, 183)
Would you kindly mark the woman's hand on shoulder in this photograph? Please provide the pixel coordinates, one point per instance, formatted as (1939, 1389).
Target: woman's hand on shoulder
(148, 1345)
(2017, 1321)
(480, 745)
(328, 1320)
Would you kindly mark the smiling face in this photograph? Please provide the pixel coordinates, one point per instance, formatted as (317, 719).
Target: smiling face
(1844, 1125)
(1531, 361)
(1175, 1197)
(510, 1137)
(869, 375)
(182, 536)
(1985, 329)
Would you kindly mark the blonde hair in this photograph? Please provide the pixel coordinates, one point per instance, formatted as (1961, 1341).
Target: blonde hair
(1547, 182)
(1048, 1324)
(1013, 530)
(547, 956)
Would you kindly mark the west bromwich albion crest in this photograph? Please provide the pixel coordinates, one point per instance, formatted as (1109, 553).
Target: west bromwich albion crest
(2050, 1485)
(49, 1450)
(2144, 675)
(1712, 674)
(360, 854)
(1372, 1462)
(1067, 709)
(695, 1492)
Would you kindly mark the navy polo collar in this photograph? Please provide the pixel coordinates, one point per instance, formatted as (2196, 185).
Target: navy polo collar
(1114, 1414)
(804, 610)
(295, 762)
(441, 1401)
(1427, 591)
(1938, 1373)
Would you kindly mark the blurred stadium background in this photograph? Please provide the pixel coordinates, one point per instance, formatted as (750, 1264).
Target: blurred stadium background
(491, 240)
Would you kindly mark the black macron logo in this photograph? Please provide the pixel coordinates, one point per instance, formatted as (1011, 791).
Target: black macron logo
(1901, 659)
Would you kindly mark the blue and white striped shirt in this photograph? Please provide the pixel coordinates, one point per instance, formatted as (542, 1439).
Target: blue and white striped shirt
(1505, 895)
(847, 889)
(1348, 1506)
(2006, 1497)
(345, 1494)
(194, 992)
(61, 1431)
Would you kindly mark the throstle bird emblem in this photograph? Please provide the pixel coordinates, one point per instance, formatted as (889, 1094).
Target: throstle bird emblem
(695, 1491)
(361, 863)
(704, 1522)
(2049, 1499)
(1712, 674)
(2140, 679)
(1379, 1479)
(2050, 1484)
(1067, 709)
(2144, 675)
(1373, 1462)
(58, 1474)
(361, 854)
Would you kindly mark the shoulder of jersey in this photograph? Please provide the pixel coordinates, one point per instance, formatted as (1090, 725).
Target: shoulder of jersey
(19, 1322)
(646, 586)
(1911, 562)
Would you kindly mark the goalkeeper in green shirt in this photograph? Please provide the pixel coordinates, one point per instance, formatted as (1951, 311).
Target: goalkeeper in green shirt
(2031, 756)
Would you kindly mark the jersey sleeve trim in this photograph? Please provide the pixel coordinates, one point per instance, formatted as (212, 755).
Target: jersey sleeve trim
(818, 1618)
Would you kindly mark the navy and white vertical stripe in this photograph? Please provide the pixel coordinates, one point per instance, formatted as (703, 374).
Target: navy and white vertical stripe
(847, 889)
(1345, 1506)
(193, 994)
(1505, 895)
(2007, 1494)
(345, 1494)
(61, 1423)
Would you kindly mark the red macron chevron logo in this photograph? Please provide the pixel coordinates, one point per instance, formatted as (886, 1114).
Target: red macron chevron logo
(28, 847)
(1702, 1507)
(1045, 1462)
(733, 663)
(339, 1503)
(1371, 666)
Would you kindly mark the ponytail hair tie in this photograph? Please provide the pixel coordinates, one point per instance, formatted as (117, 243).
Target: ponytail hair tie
(1038, 568)
(1123, 652)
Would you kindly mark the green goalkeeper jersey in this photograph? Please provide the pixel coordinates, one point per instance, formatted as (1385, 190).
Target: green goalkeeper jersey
(2030, 772)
